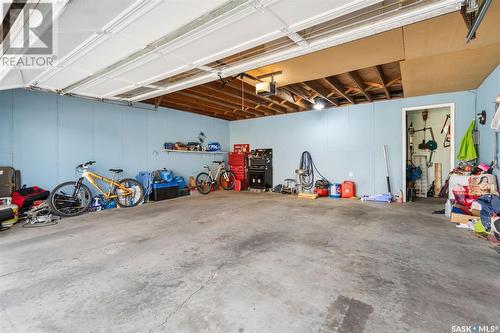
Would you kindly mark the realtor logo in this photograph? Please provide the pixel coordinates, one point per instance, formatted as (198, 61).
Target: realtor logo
(35, 35)
(30, 38)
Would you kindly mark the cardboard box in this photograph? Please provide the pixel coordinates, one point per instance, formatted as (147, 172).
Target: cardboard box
(461, 218)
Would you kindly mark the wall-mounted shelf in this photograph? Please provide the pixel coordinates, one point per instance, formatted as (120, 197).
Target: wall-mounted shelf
(194, 152)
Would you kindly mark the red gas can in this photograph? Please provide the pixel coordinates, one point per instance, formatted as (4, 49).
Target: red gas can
(348, 189)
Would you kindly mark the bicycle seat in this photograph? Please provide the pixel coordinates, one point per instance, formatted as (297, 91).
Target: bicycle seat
(116, 170)
(218, 162)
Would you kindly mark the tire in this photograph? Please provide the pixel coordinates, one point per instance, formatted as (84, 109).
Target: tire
(204, 183)
(138, 193)
(58, 202)
(229, 184)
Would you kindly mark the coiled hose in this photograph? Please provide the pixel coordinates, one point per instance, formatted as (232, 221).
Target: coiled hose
(306, 178)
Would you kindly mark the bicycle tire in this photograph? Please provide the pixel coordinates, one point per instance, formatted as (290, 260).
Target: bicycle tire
(57, 211)
(230, 185)
(199, 187)
(137, 199)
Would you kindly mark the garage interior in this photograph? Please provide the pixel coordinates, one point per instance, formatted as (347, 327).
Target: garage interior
(249, 166)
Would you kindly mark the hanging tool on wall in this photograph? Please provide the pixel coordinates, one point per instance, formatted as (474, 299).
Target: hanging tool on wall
(446, 129)
(426, 144)
(411, 132)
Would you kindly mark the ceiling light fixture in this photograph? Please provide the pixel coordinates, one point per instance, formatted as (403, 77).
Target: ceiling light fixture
(319, 105)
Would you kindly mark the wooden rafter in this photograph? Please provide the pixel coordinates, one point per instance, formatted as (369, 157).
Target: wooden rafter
(179, 99)
(381, 76)
(360, 84)
(320, 90)
(287, 96)
(338, 87)
(233, 101)
(191, 108)
(237, 99)
(250, 93)
(227, 107)
(300, 92)
(227, 94)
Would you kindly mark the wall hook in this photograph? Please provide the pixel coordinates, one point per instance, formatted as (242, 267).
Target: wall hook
(482, 117)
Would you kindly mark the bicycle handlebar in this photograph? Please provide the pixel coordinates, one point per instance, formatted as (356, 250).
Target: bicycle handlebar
(83, 165)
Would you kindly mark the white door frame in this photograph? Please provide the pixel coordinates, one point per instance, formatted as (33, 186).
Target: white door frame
(404, 131)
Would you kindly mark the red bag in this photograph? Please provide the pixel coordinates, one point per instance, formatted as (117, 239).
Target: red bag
(25, 197)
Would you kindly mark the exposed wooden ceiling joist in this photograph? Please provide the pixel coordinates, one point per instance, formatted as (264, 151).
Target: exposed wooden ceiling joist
(236, 99)
(381, 76)
(322, 91)
(360, 84)
(338, 87)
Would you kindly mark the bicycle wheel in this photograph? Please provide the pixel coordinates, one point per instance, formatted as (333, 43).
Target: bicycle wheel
(227, 180)
(134, 198)
(66, 200)
(204, 183)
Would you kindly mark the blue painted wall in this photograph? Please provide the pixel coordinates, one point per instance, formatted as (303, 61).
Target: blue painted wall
(346, 139)
(46, 136)
(486, 95)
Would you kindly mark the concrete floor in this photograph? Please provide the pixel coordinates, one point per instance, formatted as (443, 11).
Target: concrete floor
(245, 262)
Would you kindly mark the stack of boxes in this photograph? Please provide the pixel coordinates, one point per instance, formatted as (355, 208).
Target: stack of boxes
(238, 163)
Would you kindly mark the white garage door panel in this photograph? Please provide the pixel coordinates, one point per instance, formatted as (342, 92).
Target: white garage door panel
(157, 66)
(107, 53)
(167, 17)
(294, 12)
(253, 26)
(82, 15)
(64, 78)
(103, 87)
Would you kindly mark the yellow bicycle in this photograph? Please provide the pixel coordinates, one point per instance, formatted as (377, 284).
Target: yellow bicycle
(74, 197)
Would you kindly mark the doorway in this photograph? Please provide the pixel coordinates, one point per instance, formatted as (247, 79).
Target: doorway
(428, 149)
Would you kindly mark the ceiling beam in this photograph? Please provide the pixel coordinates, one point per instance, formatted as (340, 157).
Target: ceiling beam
(300, 92)
(338, 87)
(250, 91)
(381, 77)
(190, 108)
(354, 75)
(233, 101)
(210, 102)
(251, 99)
(215, 111)
(286, 96)
(320, 90)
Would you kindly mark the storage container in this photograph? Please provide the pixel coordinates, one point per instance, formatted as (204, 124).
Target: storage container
(184, 191)
(9, 214)
(348, 189)
(163, 193)
(10, 181)
(166, 175)
(237, 168)
(180, 182)
(146, 179)
(237, 159)
(335, 191)
(164, 185)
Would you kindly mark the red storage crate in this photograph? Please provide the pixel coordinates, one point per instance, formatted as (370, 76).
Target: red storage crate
(241, 148)
(237, 159)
